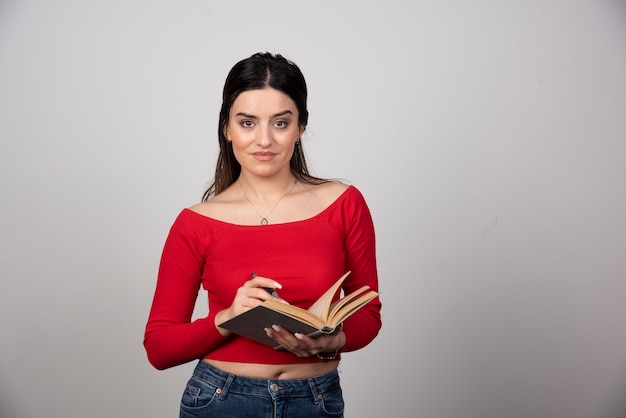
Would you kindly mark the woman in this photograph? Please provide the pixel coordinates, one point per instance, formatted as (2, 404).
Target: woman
(265, 222)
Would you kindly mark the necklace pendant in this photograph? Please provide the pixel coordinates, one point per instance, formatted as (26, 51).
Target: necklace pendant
(264, 221)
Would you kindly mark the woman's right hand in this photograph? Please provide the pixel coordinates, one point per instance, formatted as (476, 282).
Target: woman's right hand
(251, 294)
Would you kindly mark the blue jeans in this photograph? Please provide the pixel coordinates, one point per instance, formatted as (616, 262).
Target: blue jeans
(214, 393)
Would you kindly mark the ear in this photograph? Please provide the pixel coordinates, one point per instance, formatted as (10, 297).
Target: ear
(226, 133)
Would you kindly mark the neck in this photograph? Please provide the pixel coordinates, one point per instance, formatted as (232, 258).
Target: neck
(261, 208)
(266, 191)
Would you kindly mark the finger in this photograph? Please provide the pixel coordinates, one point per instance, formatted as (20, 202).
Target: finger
(304, 339)
(267, 284)
(262, 294)
(260, 281)
(298, 344)
(284, 337)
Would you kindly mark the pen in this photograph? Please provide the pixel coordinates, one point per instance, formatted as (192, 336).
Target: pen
(271, 292)
(268, 289)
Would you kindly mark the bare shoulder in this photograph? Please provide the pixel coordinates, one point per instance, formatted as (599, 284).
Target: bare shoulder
(217, 206)
(203, 208)
(328, 192)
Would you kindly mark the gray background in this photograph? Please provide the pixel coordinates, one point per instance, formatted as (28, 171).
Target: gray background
(489, 138)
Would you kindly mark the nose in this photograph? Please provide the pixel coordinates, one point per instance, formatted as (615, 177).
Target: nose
(264, 137)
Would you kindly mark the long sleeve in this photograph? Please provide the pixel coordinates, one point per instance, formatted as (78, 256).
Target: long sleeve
(170, 337)
(360, 248)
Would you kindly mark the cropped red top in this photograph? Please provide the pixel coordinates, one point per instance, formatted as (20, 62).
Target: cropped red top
(305, 257)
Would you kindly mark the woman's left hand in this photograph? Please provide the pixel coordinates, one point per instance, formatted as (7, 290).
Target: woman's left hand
(303, 346)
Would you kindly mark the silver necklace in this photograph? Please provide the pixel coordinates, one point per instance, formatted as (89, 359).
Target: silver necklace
(264, 220)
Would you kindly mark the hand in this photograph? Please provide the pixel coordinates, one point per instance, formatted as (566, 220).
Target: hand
(303, 346)
(248, 296)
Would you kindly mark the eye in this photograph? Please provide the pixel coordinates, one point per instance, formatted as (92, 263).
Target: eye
(281, 124)
(247, 123)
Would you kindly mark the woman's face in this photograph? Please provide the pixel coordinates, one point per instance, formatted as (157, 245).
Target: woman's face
(263, 128)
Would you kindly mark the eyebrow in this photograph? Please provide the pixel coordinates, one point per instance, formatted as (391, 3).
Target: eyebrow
(279, 114)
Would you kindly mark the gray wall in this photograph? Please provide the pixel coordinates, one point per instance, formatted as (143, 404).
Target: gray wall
(489, 138)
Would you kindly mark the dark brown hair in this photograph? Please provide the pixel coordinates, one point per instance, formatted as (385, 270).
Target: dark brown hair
(261, 70)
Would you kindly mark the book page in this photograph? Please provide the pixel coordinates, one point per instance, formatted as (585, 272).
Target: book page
(321, 307)
(337, 306)
(342, 311)
(294, 312)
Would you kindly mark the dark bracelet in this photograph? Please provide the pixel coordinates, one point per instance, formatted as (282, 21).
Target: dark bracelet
(328, 356)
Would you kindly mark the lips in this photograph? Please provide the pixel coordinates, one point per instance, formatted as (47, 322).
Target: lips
(263, 156)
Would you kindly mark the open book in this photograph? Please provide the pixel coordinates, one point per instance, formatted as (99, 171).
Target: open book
(323, 317)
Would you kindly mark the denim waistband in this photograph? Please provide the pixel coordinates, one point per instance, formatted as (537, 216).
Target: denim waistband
(276, 387)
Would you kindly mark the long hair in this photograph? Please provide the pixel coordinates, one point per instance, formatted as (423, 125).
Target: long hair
(261, 70)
